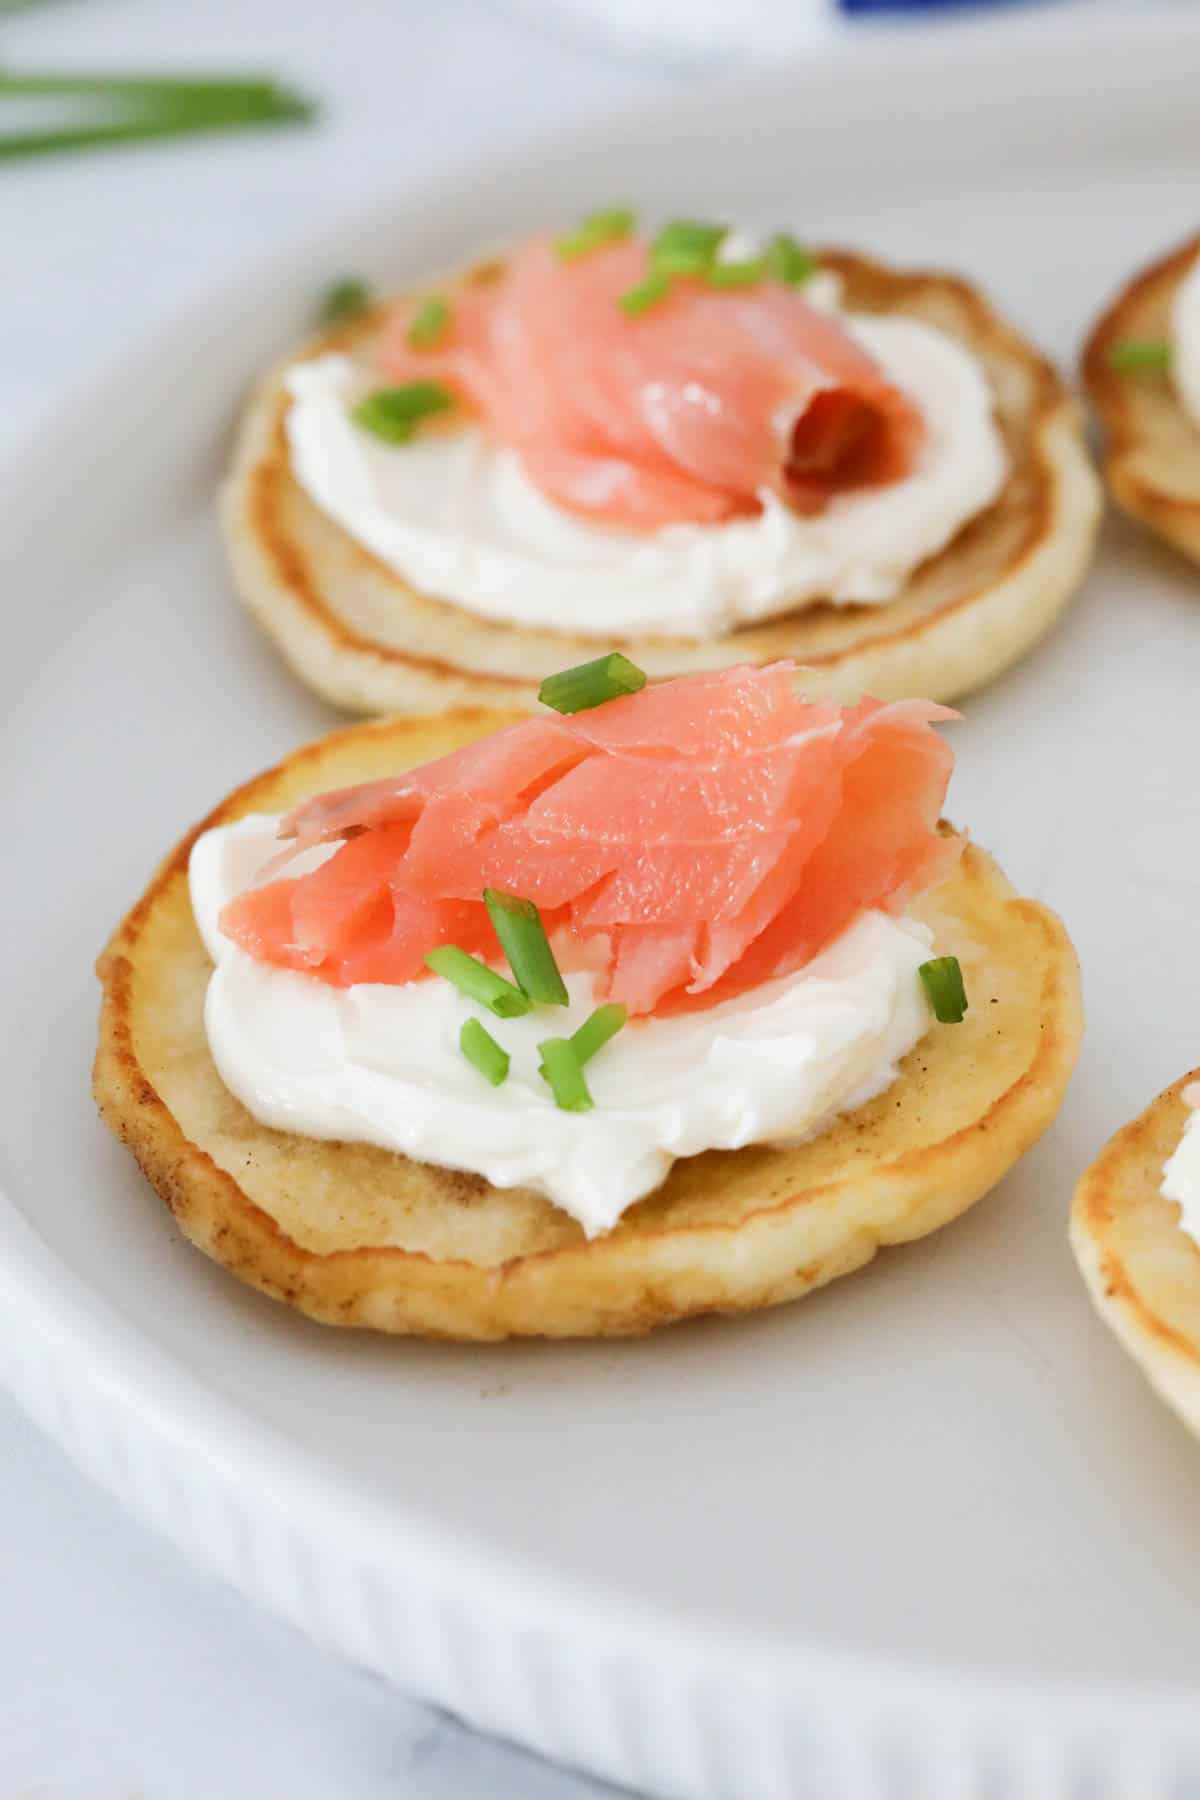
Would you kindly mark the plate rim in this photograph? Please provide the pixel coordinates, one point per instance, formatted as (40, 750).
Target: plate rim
(107, 1351)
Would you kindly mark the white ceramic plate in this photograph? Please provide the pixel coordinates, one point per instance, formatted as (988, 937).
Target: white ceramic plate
(926, 1533)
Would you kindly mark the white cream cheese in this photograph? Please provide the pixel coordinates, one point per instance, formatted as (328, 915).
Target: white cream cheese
(1181, 1176)
(382, 1065)
(1185, 342)
(454, 513)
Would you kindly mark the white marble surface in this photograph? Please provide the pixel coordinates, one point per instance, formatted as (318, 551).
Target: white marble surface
(124, 1673)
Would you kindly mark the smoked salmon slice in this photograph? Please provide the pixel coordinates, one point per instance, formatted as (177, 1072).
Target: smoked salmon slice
(685, 843)
(352, 920)
(494, 773)
(686, 413)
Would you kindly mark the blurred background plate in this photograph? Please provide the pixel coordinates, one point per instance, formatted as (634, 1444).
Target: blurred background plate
(924, 1534)
(699, 33)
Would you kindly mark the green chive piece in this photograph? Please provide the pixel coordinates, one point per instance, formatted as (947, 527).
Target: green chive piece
(204, 91)
(344, 299)
(430, 323)
(393, 413)
(518, 925)
(561, 1068)
(737, 274)
(480, 1047)
(116, 110)
(686, 247)
(943, 982)
(597, 229)
(1137, 356)
(591, 684)
(597, 1030)
(474, 979)
(789, 261)
(644, 294)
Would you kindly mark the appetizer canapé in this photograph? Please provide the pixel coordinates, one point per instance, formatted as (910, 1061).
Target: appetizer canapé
(1135, 1230)
(712, 450)
(1142, 371)
(669, 999)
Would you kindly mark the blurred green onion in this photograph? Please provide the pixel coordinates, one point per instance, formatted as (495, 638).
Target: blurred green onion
(1140, 356)
(342, 300)
(125, 109)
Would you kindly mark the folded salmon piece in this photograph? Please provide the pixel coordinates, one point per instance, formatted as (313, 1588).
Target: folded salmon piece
(494, 772)
(684, 843)
(685, 413)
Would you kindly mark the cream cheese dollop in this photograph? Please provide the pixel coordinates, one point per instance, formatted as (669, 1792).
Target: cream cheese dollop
(382, 1065)
(1185, 342)
(455, 515)
(1181, 1174)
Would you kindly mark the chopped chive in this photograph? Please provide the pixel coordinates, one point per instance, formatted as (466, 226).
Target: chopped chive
(644, 294)
(737, 274)
(789, 261)
(480, 1047)
(686, 247)
(343, 299)
(1135, 356)
(474, 979)
(597, 229)
(943, 982)
(561, 1069)
(523, 939)
(591, 684)
(393, 413)
(597, 1030)
(429, 323)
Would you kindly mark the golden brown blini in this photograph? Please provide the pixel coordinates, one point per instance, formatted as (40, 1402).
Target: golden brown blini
(355, 1235)
(1143, 1271)
(358, 634)
(1152, 453)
